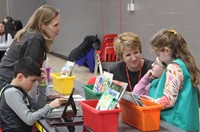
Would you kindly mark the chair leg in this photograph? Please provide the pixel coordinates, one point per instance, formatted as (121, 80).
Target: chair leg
(98, 65)
(100, 68)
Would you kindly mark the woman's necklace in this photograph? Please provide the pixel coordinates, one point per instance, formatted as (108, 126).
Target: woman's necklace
(128, 77)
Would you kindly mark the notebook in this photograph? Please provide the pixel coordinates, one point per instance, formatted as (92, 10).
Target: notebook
(68, 118)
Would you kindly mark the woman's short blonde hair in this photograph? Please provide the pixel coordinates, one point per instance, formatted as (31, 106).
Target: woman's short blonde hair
(45, 14)
(127, 40)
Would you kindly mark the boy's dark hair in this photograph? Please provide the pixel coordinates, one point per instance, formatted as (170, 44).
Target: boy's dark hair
(28, 67)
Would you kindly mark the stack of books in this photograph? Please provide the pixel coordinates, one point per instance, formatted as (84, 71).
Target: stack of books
(112, 91)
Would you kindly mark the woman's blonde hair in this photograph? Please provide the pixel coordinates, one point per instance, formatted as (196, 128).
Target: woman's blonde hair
(126, 40)
(43, 14)
(179, 50)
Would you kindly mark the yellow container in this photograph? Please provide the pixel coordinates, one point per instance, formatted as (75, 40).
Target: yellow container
(63, 85)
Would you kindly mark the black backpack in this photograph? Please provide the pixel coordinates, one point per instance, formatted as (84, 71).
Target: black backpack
(88, 43)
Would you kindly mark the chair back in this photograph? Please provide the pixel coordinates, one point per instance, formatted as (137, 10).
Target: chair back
(92, 80)
(107, 52)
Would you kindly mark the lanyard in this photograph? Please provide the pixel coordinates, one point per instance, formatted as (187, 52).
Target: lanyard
(128, 77)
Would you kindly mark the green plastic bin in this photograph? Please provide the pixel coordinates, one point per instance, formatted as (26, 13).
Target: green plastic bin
(89, 93)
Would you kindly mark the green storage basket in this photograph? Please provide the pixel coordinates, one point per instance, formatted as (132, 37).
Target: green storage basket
(89, 93)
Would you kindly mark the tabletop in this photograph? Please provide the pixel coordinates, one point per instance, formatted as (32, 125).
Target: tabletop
(122, 127)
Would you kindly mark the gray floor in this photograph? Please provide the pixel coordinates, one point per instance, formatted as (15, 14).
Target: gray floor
(82, 73)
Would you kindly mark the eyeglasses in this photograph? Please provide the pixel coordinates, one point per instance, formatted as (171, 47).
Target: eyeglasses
(159, 64)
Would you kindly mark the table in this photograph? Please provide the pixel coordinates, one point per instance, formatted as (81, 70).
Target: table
(122, 127)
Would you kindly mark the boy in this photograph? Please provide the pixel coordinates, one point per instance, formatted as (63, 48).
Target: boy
(19, 111)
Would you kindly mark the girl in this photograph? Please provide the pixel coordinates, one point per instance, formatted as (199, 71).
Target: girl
(143, 86)
(177, 88)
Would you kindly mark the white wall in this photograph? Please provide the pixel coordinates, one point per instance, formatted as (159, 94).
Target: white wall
(23, 9)
(79, 19)
(89, 17)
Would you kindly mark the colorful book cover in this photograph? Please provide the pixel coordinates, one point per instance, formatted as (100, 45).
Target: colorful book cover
(67, 69)
(97, 84)
(136, 99)
(103, 82)
(115, 90)
(113, 105)
(104, 102)
(123, 86)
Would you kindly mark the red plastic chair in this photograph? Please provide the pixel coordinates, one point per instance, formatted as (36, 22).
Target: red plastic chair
(106, 53)
(91, 80)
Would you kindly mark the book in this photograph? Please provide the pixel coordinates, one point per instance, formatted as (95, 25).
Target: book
(110, 97)
(133, 98)
(97, 84)
(115, 90)
(67, 69)
(113, 105)
(103, 82)
(105, 101)
(122, 85)
(136, 99)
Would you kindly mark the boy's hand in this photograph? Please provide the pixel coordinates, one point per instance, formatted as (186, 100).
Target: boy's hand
(57, 102)
(43, 76)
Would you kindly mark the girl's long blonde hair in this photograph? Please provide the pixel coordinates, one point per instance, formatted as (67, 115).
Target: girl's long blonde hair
(179, 50)
(43, 14)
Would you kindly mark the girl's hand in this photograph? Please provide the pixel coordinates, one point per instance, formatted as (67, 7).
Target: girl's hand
(150, 74)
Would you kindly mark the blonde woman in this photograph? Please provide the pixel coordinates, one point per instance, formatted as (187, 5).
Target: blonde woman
(34, 40)
(177, 87)
(133, 67)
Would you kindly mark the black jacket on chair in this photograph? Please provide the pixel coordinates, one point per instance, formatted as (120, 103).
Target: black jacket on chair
(88, 43)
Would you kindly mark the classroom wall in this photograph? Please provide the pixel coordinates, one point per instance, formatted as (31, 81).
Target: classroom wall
(3, 9)
(79, 19)
(89, 17)
(111, 16)
(152, 15)
(19, 9)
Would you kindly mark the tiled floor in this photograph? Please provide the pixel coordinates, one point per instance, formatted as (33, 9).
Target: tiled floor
(82, 73)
